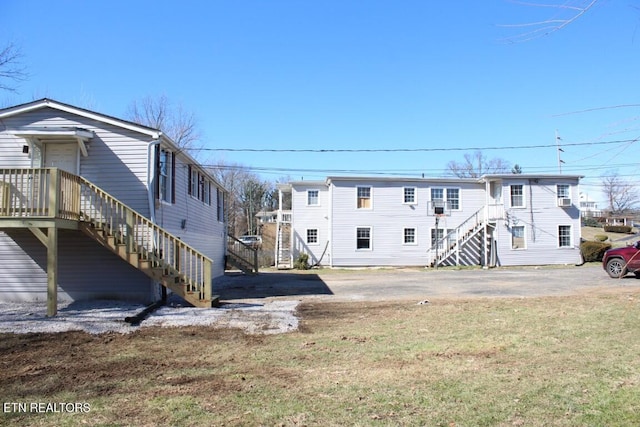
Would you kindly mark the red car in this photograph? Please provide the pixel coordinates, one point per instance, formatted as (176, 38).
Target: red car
(620, 261)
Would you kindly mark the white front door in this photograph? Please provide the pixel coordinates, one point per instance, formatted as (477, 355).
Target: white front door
(62, 155)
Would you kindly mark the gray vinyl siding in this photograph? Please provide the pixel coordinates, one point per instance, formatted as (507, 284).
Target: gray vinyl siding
(541, 217)
(202, 230)
(117, 158)
(307, 217)
(23, 277)
(117, 162)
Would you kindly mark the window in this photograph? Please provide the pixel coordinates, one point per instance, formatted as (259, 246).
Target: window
(563, 191)
(564, 236)
(206, 195)
(363, 238)
(448, 198)
(517, 196)
(517, 237)
(410, 195)
(364, 197)
(312, 236)
(313, 197)
(199, 186)
(166, 175)
(440, 234)
(193, 182)
(220, 201)
(437, 195)
(409, 236)
(453, 197)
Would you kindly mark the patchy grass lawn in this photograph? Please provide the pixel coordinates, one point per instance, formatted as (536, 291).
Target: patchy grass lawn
(566, 361)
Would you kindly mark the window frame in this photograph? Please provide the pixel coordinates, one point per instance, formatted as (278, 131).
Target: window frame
(307, 235)
(566, 195)
(166, 176)
(524, 237)
(511, 195)
(415, 236)
(569, 236)
(369, 238)
(369, 198)
(219, 204)
(414, 196)
(446, 199)
(317, 192)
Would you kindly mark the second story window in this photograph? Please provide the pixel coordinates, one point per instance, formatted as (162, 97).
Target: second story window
(364, 197)
(313, 197)
(448, 198)
(517, 195)
(453, 198)
(563, 191)
(165, 175)
(409, 195)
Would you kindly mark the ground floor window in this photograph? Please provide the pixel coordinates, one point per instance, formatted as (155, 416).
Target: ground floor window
(564, 236)
(438, 235)
(312, 236)
(363, 238)
(409, 237)
(517, 237)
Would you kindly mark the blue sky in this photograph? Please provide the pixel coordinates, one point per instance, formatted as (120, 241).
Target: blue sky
(367, 74)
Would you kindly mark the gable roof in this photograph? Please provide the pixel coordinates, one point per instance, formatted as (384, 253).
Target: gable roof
(50, 103)
(104, 118)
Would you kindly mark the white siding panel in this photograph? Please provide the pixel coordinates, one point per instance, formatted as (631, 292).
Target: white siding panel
(388, 217)
(541, 218)
(310, 217)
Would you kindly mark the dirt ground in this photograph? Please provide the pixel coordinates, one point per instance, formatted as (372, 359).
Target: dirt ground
(33, 366)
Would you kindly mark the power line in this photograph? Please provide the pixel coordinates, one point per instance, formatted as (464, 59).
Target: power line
(407, 150)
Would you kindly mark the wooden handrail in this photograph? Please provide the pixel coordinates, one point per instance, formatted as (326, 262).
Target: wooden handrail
(52, 193)
(149, 241)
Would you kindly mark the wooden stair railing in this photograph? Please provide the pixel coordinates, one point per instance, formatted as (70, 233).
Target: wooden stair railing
(146, 246)
(242, 256)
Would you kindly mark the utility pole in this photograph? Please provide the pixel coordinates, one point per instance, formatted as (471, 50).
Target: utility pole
(560, 150)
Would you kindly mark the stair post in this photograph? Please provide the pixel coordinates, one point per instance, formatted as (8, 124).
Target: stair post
(207, 280)
(129, 227)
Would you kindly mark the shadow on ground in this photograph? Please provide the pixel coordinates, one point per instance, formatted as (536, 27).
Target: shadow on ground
(262, 285)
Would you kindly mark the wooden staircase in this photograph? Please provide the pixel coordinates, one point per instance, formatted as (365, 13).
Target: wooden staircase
(147, 247)
(283, 245)
(242, 256)
(466, 245)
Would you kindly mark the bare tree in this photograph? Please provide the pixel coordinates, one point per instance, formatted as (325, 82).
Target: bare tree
(11, 69)
(475, 165)
(621, 195)
(566, 13)
(158, 113)
(248, 194)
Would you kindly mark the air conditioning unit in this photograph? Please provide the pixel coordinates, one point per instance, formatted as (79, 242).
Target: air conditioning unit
(564, 202)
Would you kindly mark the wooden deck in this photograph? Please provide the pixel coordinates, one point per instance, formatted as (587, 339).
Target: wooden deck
(45, 200)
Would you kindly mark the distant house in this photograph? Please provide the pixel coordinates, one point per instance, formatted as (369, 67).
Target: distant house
(493, 220)
(92, 206)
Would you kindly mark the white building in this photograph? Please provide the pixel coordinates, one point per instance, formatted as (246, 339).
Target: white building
(494, 220)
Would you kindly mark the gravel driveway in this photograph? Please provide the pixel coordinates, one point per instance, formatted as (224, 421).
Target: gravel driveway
(420, 284)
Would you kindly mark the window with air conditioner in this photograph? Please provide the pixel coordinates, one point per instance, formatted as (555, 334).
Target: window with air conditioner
(564, 195)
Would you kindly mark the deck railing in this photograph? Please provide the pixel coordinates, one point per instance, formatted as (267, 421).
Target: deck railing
(39, 192)
(54, 193)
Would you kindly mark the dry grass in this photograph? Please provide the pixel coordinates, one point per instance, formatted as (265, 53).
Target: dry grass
(485, 362)
(616, 239)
